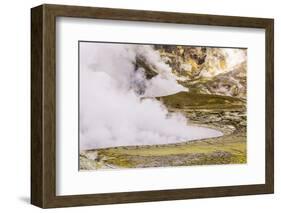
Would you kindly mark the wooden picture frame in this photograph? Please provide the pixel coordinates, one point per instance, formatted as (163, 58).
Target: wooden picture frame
(43, 105)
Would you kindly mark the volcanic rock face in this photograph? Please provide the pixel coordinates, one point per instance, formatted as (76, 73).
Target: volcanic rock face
(220, 71)
(232, 83)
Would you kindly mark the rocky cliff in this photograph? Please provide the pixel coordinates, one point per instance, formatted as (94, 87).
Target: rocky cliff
(220, 71)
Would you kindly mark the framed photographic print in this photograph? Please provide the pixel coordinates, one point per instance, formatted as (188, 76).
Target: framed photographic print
(136, 106)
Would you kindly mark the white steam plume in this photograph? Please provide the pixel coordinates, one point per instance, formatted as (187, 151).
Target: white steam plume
(112, 113)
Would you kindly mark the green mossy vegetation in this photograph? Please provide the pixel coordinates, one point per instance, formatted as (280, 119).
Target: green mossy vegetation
(188, 100)
(224, 150)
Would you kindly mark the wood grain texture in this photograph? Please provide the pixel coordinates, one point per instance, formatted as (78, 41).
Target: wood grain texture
(36, 106)
(43, 105)
(269, 107)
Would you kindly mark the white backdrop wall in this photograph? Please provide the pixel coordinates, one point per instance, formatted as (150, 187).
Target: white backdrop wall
(15, 104)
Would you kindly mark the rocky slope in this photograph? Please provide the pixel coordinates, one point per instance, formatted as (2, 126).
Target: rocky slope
(220, 71)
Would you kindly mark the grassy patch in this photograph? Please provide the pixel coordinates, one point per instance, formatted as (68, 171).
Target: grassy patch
(187, 100)
(230, 150)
